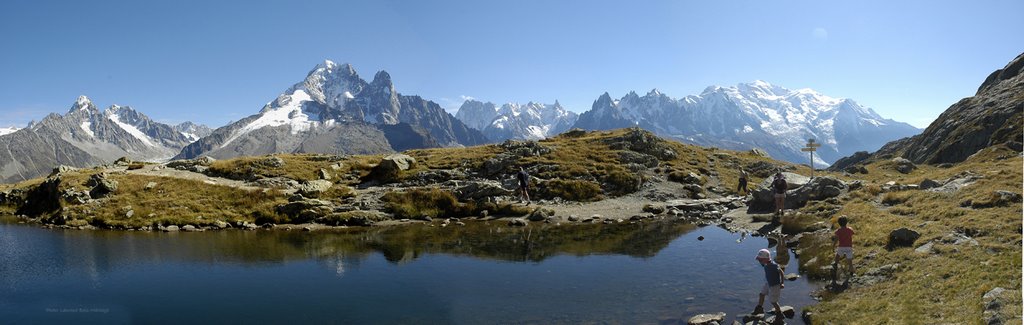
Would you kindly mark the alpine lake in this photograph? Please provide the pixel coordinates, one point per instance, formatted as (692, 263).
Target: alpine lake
(482, 273)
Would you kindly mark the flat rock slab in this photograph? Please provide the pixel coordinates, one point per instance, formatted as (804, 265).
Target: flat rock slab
(706, 319)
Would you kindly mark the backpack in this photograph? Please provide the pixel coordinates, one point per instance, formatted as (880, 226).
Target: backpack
(779, 185)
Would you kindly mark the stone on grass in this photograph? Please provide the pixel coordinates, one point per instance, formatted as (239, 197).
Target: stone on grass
(902, 237)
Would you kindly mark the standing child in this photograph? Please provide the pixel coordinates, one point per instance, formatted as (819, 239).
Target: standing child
(844, 238)
(773, 284)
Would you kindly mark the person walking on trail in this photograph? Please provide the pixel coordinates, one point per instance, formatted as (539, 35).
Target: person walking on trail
(524, 185)
(742, 187)
(844, 239)
(773, 284)
(779, 187)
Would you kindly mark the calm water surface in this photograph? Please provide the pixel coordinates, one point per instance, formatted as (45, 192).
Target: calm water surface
(479, 274)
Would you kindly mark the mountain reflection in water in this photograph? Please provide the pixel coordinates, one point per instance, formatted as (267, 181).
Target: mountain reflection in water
(478, 273)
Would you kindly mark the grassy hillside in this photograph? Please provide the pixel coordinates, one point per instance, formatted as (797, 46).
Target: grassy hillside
(975, 234)
(947, 284)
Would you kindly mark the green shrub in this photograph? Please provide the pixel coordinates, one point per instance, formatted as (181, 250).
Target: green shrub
(620, 182)
(894, 198)
(419, 203)
(572, 190)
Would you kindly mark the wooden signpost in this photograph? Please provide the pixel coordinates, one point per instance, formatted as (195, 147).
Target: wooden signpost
(811, 147)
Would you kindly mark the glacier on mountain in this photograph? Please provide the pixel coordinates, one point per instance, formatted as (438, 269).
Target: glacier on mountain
(752, 115)
(531, 121)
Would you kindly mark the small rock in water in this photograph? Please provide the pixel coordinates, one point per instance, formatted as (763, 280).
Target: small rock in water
(188, 228)
(307, 229)
(574, 218)
(788, 311)
(518, 222)
(171, 228)
(792, 277)
(700, 238)
(706, 319)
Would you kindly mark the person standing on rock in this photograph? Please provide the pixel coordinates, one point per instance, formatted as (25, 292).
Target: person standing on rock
(524, 185)
(773, 284)
(844, 239)
(742, 187)
(779, 187)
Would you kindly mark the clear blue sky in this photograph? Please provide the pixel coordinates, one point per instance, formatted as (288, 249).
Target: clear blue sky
(217, 61)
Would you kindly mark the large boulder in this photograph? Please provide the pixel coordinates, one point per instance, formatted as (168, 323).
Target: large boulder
(389, 167)
(632, 157)
(101, 186)
(273, 162)
(42, 199)
(928, 184)
(524, 148)
(763, 197)
(643, 141)
(61, 169)
(760, 152)
(197, 165)
(479, 190)
(397, 162)
(314, 188)
(819, 188)
(294, 208)
(903, 165)
(902, 237)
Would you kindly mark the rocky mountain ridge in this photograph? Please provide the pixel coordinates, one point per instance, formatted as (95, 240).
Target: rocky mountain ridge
(532, 121)
(992, 117)
(86, 136)
(333, 110)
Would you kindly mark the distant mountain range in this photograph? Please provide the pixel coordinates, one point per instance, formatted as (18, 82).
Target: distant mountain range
(753, 115)
(335, 111)
(749, 115)
(85, 136)
(514, 121)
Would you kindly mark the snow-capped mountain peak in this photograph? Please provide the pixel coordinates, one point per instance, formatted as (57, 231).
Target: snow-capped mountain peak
(82, 103)
(755, 114)
(84, 136)
(477, 114)
(534, 120)
(334, 110)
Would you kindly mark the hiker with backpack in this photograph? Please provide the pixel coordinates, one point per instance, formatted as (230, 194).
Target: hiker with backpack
(779, 187)
(742, 186)
(524, 185)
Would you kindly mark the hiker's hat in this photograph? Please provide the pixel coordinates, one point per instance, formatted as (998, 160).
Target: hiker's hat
(763, 254)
